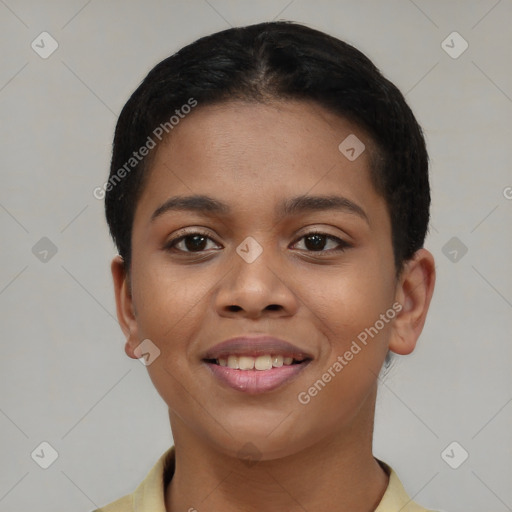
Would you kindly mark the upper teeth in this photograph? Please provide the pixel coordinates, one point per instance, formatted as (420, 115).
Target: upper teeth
(265, 362)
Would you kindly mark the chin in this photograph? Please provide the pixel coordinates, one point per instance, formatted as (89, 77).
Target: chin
(254, 445)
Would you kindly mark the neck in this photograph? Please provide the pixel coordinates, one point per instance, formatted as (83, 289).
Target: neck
(338, 473)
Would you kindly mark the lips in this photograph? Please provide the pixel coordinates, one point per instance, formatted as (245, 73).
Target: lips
(255, 364)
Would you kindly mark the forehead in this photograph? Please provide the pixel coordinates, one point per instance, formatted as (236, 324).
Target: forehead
(293, 128)
(240, 150)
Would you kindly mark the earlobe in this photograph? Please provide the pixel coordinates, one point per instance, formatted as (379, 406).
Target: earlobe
(414, 292)
(124, 305)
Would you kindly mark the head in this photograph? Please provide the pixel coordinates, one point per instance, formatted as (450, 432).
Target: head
(275, 123)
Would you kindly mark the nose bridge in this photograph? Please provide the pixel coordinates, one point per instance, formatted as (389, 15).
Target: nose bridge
(254, 283)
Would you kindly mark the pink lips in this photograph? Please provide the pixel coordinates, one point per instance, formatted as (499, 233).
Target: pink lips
(255, 381)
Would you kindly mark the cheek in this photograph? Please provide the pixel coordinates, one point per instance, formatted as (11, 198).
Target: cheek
(166, 300)
(350, 313)
(171, 312)
(355, 310)
(349, 300)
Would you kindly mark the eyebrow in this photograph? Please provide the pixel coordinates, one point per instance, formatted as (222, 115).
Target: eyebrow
(203, 204)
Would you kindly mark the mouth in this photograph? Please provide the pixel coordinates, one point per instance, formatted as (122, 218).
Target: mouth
(255, 365)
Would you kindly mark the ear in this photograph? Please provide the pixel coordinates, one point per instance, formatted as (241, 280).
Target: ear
(414, 292)
(124, 305)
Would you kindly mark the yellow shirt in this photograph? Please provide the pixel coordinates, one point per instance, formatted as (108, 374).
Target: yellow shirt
(149, 495)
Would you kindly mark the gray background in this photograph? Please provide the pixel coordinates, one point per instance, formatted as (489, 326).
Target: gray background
(64, 376)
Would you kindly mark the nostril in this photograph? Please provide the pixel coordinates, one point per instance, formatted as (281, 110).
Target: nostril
(271, 307)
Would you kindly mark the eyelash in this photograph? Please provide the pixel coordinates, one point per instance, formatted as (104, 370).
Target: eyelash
(170, 246)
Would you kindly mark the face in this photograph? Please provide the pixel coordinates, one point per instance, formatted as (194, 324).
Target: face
(254, 260)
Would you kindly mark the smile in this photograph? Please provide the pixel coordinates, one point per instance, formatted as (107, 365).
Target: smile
(254, 375)
(255, 364)
(261, 363)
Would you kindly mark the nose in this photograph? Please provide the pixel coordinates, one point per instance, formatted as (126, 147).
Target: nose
(255, 289)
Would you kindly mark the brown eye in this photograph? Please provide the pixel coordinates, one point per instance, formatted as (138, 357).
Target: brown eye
(195, 242)
(317, 242)
(190, 243)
